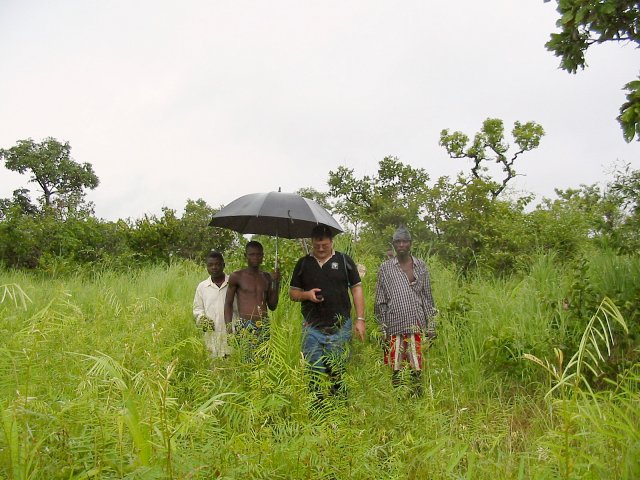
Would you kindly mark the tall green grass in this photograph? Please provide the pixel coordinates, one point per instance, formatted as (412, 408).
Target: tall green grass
(104, 375)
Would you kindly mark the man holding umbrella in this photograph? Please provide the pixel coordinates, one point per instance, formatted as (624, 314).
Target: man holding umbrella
(255, 292)
(322, 281)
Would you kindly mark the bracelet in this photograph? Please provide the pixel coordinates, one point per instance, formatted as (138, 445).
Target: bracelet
(360, 318)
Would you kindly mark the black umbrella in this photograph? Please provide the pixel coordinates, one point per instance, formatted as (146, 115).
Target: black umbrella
(279, 214)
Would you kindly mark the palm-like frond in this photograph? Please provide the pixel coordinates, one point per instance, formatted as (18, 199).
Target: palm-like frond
(109, 369)
(595, 346)
(596, 338)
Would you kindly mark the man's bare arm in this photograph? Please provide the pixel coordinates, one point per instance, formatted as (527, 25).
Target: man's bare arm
(273, 290)
(228, 300)
(358, 302)
(299, 295)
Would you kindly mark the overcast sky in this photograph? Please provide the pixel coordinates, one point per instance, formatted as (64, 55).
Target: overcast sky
(208, 99)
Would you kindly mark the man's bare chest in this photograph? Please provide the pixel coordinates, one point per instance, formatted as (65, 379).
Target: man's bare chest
(254, 283)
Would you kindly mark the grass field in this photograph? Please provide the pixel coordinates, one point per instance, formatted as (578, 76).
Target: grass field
(103, 374)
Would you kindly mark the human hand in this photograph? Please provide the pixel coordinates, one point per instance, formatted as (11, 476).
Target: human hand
(361, 329)
(275, 275)
(316, 295)
(206, 324)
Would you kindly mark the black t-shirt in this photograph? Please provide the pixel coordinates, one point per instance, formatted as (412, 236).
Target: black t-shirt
(334, 278)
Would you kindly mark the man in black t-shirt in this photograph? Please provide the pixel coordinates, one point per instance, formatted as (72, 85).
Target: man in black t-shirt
(322, 282)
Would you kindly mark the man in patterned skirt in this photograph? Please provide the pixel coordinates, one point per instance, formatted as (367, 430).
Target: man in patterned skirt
(405, 309)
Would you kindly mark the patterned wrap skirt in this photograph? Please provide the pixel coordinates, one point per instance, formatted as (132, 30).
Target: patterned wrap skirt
(404, 348)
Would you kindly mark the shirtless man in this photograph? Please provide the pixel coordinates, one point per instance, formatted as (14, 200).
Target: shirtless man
(256, 291)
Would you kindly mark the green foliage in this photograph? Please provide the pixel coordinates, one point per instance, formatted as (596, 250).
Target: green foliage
(52, 169)
(19, 204)
(154, 239)
(587, 22)
(583, 23)
(610, 416)
(36, 241)
(14, 293)
(578, 216)
(629, 117)
(322, 198)
(459, 221)
(490, 146)
(396, 195)
(195, 237)
(104, 375)
(625, 193)
(473, 230)
(42, 240)
(606, 275)
(597, 337)
(566, 224)
(596, 344)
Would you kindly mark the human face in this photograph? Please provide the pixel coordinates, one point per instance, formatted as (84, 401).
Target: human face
(402, 247)
(254, 257)
(215, 267)
(322, 247)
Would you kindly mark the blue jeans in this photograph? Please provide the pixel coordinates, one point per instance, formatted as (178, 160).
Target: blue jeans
(325, 352)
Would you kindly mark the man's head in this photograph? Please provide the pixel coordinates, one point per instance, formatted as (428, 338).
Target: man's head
(322, 242)
(401, 241)
(215, 264)
(254, 254)
(320, 232)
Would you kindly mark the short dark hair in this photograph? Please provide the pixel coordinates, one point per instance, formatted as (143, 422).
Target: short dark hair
(215, 254)
(321, 231)
(253, 243)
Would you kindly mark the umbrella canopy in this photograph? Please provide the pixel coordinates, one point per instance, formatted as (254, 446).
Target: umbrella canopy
(280, 214)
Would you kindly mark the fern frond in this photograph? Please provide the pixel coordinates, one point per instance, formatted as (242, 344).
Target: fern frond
(176, 348)
(200, 414)
(109, 369)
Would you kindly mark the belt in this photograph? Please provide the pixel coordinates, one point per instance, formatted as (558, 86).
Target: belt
(330, 330)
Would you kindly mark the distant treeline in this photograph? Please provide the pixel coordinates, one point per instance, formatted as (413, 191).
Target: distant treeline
(472, 221)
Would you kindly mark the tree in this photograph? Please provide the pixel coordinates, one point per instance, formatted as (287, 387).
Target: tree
(489, 146)
(52, 168)
(625, 189)
(195, 237)
(158, 239)
(626, 186)
(474, 230)
(321, 198)
(566, 224)
(395, 195)
(21, 203)
(584, 23)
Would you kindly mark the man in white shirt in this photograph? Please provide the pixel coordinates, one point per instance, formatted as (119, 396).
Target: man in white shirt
(208, 306)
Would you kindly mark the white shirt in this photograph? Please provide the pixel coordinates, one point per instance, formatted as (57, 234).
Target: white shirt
(209, 303)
